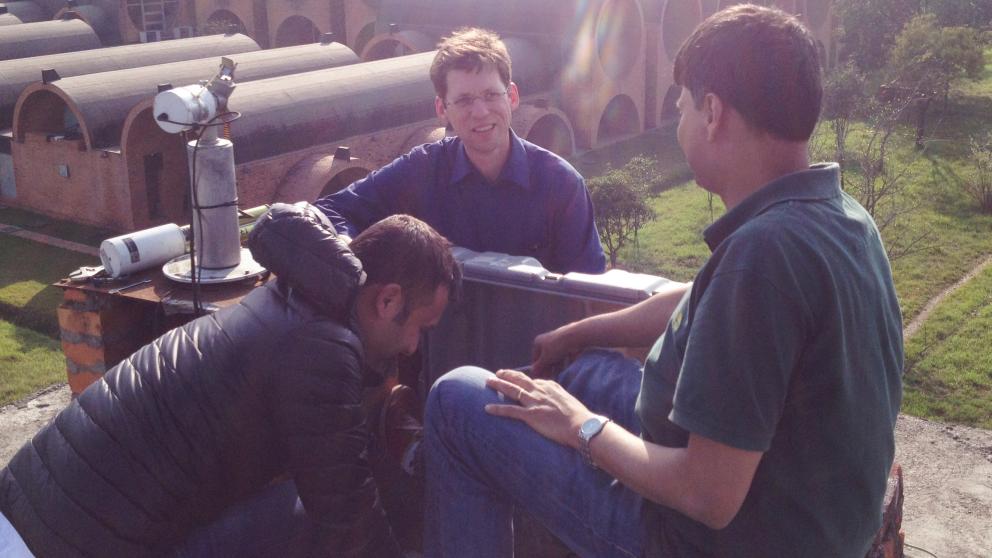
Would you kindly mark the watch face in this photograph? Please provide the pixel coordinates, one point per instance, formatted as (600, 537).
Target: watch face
(591, 426)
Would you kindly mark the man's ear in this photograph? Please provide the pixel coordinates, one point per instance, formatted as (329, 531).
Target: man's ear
(442, 112)
(714, 111)
(389, 301)
(514, 95)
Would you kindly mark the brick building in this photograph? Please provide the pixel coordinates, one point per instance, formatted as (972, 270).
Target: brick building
(68, 137)
(16, 75)
(591, 72)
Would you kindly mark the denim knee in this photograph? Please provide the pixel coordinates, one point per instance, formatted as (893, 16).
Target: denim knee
(462, 392)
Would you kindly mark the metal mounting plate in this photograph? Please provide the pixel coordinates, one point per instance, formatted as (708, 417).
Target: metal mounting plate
(178, 269)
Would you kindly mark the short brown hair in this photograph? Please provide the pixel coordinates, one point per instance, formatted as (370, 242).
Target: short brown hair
(407, 251)
(469, 49)
(761, 61)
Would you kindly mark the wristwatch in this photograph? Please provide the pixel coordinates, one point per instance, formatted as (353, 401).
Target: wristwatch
(589, 429)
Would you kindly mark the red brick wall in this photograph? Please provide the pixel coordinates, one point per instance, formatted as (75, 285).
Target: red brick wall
(94, 192)
(99, 331)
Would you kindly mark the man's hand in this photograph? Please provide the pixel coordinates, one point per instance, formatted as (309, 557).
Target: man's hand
(553, 351)
(544, 405)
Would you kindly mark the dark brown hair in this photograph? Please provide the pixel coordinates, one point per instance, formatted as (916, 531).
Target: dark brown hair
(761, 61)
(407, 251)
(469, 49)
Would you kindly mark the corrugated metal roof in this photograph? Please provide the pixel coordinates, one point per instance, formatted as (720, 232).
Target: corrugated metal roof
(15, 75)
(101, 101)
(46, 37)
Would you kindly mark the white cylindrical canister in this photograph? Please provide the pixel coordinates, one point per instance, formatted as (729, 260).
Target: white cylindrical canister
(140, 250)
(180, 109)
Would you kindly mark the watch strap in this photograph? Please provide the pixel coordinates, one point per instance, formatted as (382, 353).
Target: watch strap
(584, 441)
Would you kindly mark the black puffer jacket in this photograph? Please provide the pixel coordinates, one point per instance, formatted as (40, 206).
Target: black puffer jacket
(211, 412)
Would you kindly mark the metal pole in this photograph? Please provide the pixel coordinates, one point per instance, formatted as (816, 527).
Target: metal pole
(215, 215)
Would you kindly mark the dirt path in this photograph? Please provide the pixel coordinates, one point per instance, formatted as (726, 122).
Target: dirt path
(920, 318)
(947, 475)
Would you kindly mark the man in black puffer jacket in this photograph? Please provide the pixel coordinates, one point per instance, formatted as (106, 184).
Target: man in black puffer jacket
(175, 450)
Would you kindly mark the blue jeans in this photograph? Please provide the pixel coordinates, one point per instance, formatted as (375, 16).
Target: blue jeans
(270, 523)
(480, 466)
(11, 543)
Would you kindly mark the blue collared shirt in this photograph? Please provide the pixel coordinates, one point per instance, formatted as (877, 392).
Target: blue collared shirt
(538, 207)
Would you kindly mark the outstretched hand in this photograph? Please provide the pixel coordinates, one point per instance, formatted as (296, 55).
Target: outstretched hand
(543, 404)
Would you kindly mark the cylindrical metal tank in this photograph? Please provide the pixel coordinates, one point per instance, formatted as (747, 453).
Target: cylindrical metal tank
(534, 67)
(15, 75)
(97, 18)
(215, 217)
(101, 101)
(599, 45)
(294, 112)
(521, 17)
(46, 37)
(23, 11)
(319, 175)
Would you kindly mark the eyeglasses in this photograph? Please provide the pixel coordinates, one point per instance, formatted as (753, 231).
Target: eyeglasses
(466, 102)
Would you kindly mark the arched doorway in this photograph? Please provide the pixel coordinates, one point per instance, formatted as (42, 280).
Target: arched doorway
(223, 21)
(296, 30)
(619, 119)
(363, 38)
(552, 133)
(342, 179)
(388, 48)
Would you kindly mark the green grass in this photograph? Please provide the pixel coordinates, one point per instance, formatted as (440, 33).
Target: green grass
(659, 144)
(30, 353)
(29, 361)
(26, 295)
(948, 362)
(672, 245)
(957, 233)
(65, 230)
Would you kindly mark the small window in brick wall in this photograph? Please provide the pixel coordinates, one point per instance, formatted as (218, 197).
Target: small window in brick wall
(64, 171)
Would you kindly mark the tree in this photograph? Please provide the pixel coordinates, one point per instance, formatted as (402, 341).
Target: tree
(883, 188)
(868, 29)
(979, 188)
(966, 13)
(844, 97)
(927, 59)
(620, 198)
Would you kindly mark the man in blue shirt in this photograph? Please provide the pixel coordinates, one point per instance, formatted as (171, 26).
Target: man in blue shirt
(485, 188)
(762, 422)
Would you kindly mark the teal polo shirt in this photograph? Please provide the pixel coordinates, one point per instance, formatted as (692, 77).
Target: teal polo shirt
(789, 343)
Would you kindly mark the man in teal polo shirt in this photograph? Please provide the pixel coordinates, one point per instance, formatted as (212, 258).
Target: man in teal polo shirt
(762, 421)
